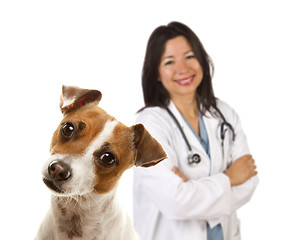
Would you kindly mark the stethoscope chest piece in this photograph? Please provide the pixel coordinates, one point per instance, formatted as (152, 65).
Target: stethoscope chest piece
(193, 159)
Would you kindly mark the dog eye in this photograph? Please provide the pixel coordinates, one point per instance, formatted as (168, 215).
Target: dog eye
(108, 159)
(67, 130)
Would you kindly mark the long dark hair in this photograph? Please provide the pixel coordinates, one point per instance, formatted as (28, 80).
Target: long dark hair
(153, 91)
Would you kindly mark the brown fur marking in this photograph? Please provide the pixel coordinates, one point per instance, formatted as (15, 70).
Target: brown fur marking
(72, 227)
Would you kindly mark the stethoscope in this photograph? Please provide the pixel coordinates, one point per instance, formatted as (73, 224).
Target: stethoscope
(194, 158)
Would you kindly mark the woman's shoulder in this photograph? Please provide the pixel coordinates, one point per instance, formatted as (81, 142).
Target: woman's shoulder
(224, 106)
(155, 116)
(227, 110)
(155, 120)
(150, 112)
(152, 109)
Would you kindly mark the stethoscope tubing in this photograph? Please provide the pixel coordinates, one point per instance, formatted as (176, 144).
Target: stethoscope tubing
(180, 129)
(194, 158)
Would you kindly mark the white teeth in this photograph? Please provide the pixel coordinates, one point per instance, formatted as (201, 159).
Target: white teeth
(184, 81)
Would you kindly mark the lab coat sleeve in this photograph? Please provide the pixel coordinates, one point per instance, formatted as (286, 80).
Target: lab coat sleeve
(205, 198)
(240, 194)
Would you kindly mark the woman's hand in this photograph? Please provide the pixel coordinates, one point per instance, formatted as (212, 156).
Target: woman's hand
(179, 173)
(241, 170)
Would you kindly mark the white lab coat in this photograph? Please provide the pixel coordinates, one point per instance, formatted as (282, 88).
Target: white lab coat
(165, 207)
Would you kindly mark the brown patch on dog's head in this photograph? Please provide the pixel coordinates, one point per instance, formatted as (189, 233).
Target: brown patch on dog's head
(88, 135)
(130, 146)
(78, 129)
(113, 158)
(82, 120)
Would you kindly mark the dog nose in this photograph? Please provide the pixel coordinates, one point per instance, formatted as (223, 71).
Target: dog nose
(59, 171)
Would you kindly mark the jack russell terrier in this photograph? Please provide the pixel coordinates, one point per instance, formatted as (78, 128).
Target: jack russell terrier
(90, 150)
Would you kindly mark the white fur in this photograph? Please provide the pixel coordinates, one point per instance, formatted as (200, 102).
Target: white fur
(81, 202)
(102, 138)
(68, 101)
(93, 209)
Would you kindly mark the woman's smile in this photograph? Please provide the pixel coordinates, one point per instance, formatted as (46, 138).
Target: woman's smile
(185, 81)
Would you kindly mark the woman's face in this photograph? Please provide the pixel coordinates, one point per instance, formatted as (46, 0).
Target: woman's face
(179, 70)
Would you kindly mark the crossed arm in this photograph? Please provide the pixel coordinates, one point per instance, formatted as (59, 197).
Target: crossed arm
(239, 172)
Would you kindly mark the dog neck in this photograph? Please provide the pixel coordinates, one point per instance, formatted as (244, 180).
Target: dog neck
(85, 216)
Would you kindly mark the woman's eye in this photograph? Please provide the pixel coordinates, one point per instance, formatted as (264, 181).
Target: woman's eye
(67, 130)
(107, 159)
(190, 56)
(168, 63)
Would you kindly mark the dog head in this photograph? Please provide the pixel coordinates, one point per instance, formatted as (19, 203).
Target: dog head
(91, 149)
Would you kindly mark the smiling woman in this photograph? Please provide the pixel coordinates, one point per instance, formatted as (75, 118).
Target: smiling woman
(179, 198)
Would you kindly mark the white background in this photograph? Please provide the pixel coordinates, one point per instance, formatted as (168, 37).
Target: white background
(101, 45)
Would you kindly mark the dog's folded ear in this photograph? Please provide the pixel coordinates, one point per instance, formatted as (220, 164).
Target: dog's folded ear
(149, 152)
(73, 98)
